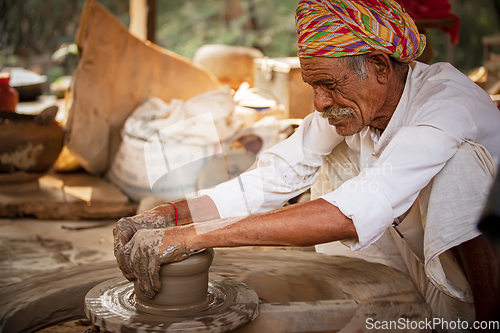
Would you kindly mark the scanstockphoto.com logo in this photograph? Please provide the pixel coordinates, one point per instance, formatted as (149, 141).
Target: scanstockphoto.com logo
(430, 324)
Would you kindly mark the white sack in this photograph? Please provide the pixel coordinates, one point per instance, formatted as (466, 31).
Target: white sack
(164, 146)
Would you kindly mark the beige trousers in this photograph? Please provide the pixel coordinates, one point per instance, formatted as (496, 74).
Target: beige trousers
(445, 215)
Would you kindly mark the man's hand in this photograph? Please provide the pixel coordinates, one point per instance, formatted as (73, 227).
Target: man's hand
(127, 227)
(162, 216)
(147, 251)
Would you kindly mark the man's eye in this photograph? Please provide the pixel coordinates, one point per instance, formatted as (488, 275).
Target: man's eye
(330, 86)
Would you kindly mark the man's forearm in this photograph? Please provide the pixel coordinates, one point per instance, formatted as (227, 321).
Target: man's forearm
(304, 224)
(201, 209)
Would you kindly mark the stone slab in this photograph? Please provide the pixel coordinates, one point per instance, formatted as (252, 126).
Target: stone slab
(64, 196)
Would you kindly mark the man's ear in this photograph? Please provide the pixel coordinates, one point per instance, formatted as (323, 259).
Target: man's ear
(381, 65)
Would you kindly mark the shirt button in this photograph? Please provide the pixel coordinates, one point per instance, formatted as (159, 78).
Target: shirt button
(374, 154)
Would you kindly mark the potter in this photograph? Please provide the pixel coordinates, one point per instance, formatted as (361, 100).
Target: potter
(377, 109)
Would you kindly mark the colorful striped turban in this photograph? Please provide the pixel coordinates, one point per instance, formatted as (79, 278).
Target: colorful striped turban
(336, 28)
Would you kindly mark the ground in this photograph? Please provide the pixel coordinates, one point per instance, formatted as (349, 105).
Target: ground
(29, 247)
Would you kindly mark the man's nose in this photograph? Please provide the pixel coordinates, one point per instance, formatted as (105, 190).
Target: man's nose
(322, 99)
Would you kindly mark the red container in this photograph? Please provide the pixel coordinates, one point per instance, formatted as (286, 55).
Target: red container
(8, 95)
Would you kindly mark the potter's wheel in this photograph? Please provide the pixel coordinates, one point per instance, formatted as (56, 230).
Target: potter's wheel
(295, 288)
(225, 305)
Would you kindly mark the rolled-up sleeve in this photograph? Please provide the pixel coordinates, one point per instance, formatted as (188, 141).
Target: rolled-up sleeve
(388, 189)
(284, 171)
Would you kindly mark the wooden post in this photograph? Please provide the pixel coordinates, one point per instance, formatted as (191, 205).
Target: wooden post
(143, 19)
(152, 21)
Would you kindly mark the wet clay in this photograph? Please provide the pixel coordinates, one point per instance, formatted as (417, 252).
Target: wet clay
(183, 284)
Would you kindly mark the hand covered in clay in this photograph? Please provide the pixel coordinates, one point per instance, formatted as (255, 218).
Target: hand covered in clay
(147, 251)
(126, 228)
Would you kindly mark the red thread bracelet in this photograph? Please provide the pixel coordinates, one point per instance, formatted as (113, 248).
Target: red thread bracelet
(176, 216)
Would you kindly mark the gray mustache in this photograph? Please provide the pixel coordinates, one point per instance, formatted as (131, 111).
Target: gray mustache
(336, 113)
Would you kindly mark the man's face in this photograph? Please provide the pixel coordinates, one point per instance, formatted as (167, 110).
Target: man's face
(339, 95)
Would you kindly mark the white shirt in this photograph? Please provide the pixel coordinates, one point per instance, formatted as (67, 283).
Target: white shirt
(440, 108)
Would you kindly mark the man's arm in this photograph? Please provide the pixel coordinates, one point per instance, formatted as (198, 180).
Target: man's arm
(302, 224)
(298, 225)
(284, 171)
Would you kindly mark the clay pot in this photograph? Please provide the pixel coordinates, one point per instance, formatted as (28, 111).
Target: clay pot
(29, 143)
(183, 284)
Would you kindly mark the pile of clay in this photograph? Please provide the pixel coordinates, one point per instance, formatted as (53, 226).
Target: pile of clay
(190, 301)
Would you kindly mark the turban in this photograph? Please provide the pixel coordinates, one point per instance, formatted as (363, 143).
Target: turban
(336, 28)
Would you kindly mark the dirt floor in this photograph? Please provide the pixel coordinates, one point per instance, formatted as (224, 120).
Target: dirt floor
(29, 247)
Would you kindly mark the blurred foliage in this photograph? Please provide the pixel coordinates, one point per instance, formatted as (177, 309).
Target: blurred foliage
(184, 26)
(35, 27)
(477, 18)
(54, 72)
(30, 28)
